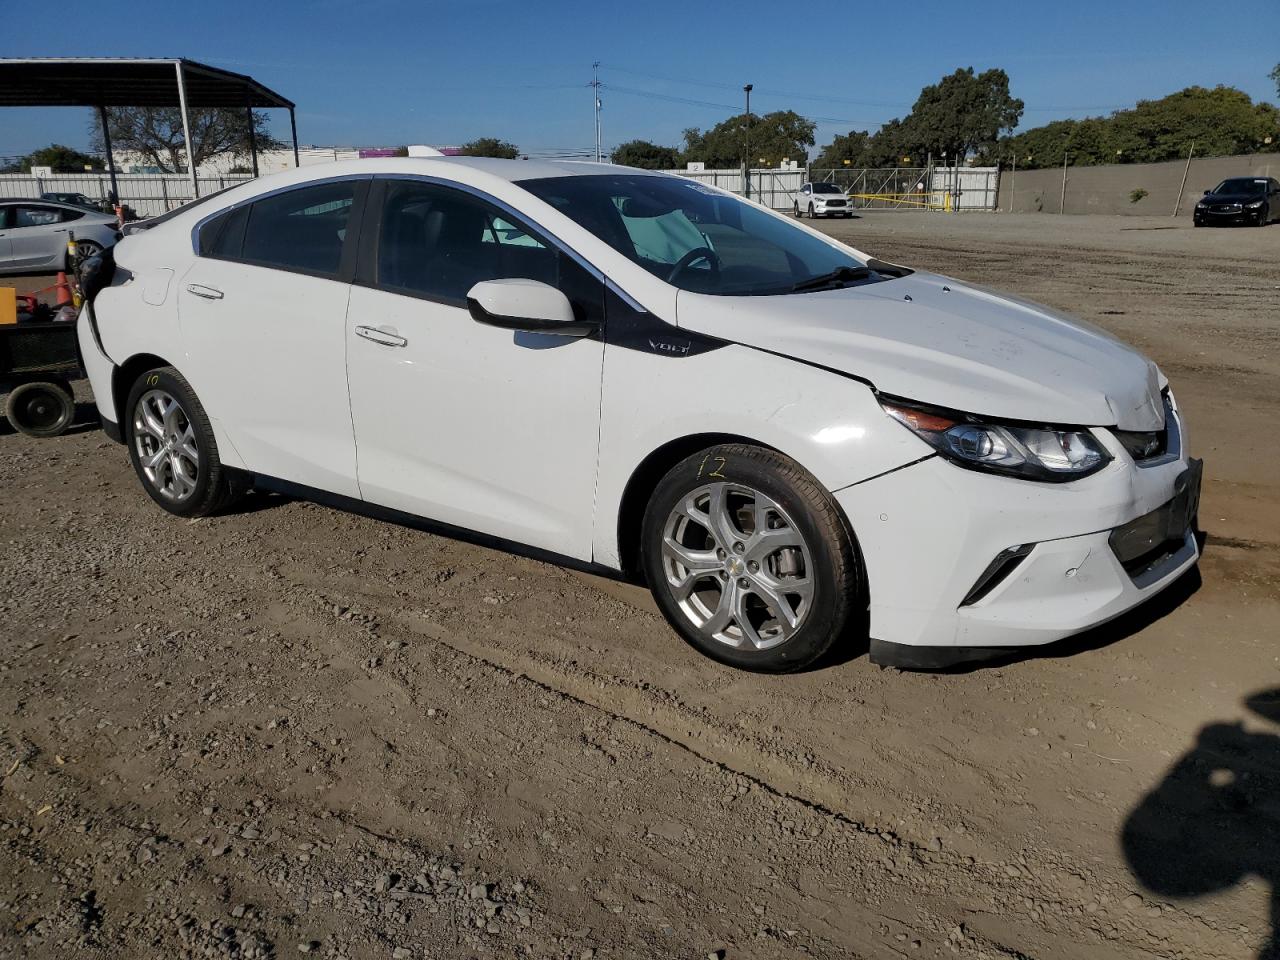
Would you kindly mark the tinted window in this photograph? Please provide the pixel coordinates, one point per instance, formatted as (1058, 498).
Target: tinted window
(439, 243)
(223, 236)
(826, 188)
(1242, 185)
(36, 216)
(300, 230)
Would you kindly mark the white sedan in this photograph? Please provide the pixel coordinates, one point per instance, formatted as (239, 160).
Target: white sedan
(796, 446)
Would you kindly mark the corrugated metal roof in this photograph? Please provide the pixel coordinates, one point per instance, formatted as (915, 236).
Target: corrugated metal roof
(124, 82)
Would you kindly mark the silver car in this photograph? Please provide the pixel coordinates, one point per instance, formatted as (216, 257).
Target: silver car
(34, 234)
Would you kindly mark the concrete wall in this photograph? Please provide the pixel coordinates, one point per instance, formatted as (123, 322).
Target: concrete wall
(1106, 189)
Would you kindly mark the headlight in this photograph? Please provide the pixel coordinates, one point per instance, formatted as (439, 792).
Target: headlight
(1257, 204)
(1053, 454)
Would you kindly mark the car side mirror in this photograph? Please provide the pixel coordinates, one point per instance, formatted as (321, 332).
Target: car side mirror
(1207, 192)
(527, 306)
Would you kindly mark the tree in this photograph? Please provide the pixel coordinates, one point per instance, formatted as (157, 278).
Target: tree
(62, 159)
(778, 136)
(963, 113)
(1220, 122)
(1275, 75)
(156, 134)
(850, 147)
(490, 147)
(646, 155)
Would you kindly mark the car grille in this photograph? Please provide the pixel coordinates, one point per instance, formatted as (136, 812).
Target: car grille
(1226, 208)
(835, 203)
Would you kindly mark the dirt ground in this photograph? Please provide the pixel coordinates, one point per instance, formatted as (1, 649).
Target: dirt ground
(292, 730)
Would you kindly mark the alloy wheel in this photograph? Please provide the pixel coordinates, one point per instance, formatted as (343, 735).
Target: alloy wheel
(165, 442)
(737, 566)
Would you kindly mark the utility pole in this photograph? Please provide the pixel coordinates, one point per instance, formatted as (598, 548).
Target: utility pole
(595, 96)
(746, 147)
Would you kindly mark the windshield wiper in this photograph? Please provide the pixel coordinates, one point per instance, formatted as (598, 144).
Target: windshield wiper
(838, 275)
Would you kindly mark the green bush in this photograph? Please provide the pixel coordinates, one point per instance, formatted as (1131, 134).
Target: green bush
(1136, 195)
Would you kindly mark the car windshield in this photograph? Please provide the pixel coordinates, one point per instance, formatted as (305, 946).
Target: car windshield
(697, 238)
(827, 188)
(1241, 185)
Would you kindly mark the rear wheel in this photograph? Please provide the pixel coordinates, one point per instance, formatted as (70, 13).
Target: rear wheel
(172, 446)
(749, 558)
(40, 409)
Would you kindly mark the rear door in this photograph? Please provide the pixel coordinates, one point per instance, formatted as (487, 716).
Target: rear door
(262, 310)
(468, 424)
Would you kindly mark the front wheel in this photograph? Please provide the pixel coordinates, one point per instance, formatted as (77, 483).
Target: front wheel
(812, 215)
(749, 558)
(172, 447)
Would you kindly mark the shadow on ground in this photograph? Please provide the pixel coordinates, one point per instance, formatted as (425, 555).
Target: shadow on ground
(1215, 818)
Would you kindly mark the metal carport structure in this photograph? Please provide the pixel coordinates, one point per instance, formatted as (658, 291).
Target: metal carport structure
(102, 82)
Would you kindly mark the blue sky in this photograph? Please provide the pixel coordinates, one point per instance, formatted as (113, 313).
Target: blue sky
(386, 72)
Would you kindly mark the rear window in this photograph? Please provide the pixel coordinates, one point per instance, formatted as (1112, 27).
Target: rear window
(301, 230)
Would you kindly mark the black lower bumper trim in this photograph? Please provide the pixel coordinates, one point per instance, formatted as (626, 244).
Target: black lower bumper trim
(907, 656)
(112, 430)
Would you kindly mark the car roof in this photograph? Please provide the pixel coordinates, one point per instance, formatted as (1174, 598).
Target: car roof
(43, 201)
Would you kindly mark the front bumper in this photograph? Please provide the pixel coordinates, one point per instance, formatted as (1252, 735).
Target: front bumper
(1212, 218)
(929, 532)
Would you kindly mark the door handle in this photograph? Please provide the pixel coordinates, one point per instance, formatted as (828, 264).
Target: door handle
(200, 290)
(381, 336)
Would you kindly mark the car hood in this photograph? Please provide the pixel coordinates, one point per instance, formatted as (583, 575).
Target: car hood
(1232, 197)
(942, 342)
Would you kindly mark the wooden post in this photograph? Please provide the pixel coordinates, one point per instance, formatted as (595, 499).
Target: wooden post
(1182, 186)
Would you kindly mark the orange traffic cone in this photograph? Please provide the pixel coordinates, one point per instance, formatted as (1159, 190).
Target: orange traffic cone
(63, 290)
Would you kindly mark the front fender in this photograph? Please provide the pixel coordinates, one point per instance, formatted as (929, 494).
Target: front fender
(830, 424)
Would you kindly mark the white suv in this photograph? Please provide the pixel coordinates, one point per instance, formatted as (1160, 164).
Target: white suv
(821, 199)
(794, 444)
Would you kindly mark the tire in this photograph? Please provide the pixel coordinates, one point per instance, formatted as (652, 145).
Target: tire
(706, 586)
(40, 409)
(812, 215)
(182, 472)
(795, 210)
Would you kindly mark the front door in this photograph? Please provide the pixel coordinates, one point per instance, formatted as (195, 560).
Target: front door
(38, 237)
(262, 311)
(467, 424)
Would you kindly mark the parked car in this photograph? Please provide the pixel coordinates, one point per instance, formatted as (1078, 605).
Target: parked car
(77, 200)
(1254, 201)
(821, 199)
(793, 443)
(34, 233)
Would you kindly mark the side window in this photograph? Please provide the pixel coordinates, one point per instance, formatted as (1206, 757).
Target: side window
(69, 215)
(438, 243)
(223, 237)
(36, 216)
(301, 230)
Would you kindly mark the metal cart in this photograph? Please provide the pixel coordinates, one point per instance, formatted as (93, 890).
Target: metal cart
(38, 361)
